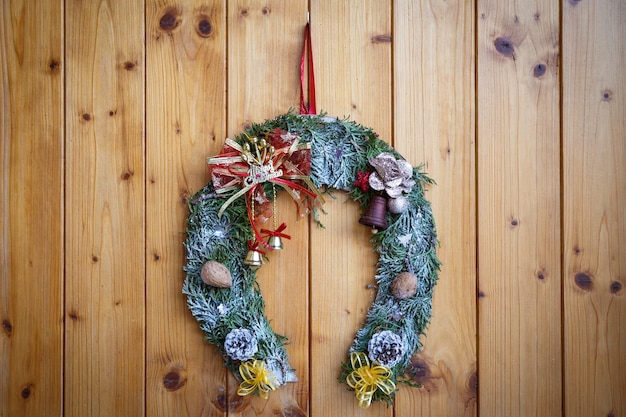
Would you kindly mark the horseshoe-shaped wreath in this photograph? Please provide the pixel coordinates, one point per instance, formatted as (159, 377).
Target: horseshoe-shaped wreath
(224, 245)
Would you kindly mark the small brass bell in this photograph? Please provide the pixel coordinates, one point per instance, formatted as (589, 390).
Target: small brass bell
(253, 259)
(275, 243)
(375, 214)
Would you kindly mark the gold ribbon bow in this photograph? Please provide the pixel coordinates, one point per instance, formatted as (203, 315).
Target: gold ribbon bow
(256, 379)
(366, 379)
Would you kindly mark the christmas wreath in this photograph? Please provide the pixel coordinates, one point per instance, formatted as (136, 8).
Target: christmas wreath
(308, 156)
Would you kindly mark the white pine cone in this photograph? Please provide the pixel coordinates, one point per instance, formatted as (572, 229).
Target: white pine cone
(240, 344)
(386, 348)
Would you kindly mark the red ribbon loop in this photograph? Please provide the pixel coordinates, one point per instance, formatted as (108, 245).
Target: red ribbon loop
(306, 47)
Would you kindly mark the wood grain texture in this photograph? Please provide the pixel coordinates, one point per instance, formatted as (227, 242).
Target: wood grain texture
(109, 109)
(31, 208)
(353, 76)
(519, 325)
(594, 196)
(185, 118)
(105, 274)
(434, 125)
(263, 81)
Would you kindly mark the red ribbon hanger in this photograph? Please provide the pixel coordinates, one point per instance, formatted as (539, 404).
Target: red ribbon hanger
(306, 47)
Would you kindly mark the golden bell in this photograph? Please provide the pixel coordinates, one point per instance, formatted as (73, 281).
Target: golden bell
(275, 242)
(253, 259)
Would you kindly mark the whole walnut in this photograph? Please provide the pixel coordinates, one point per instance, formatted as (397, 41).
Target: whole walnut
(215, 274)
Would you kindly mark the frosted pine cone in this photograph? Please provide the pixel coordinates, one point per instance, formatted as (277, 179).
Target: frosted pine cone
(386, 348)
(240, 344)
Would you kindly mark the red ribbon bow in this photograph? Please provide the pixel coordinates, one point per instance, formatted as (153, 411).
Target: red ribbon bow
(279, 158)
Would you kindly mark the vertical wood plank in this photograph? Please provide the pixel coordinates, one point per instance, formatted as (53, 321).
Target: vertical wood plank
(594, 196)
(352, 50)
(264, 45)
(519, 270)
(31, 208)
(185, 119)
(105, 274)
(434, 124)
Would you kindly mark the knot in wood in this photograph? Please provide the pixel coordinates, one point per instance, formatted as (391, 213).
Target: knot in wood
(169, 21)
(504, 46)
(583, 281)
(204, 27)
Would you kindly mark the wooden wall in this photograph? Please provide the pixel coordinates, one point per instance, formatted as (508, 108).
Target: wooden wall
(517, 110)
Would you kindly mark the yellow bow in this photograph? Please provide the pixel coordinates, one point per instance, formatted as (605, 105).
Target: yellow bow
(366, 379)
(256, 378)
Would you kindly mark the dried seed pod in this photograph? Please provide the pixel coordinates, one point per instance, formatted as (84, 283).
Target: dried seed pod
(216, 274)
(404, 285)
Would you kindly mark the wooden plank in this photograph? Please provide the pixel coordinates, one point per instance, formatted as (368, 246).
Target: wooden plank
(31, 208)
(434, 125)
(105, 273)
(594, 196)
(264, 46)
(352, 51)
(519, 322)
(185, 120)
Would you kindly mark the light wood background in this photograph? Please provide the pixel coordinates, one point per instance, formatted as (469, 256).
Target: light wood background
(517, 110)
